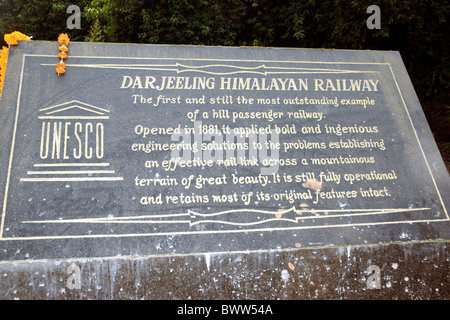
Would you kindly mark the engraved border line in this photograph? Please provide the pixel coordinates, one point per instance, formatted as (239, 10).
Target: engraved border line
(135, 220)
(212, 231)
(11, 155)
(203, 59)
(418, 142)
(196, 69)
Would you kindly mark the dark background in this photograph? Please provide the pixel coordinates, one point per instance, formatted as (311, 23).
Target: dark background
(419, 30)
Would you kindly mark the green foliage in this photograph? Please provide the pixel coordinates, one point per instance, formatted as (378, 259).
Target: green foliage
(418, 29)
(41, 19)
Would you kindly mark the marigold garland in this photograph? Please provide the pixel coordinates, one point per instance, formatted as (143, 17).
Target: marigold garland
(11, 39)
(3, 59)
(64, 41)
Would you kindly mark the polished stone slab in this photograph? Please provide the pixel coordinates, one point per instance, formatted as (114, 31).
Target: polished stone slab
(134, 152)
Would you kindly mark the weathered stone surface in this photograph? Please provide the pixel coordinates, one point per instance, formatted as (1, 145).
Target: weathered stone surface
(412, 271)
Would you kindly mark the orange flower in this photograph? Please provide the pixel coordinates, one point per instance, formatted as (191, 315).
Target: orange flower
(60, 70)
(63, 48)
(15, 36)
(9, 39)
(62, 55)
(3, 56)
(3, 60)
(20, 36)
(64, 39)
(61, 65)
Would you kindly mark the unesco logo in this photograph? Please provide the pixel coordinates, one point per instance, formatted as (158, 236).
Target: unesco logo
(72, 130)
(72, 144)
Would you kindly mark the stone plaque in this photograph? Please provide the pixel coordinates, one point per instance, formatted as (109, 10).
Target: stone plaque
(149, 150)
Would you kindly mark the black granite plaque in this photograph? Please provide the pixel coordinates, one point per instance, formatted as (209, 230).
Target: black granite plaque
(146, 150)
